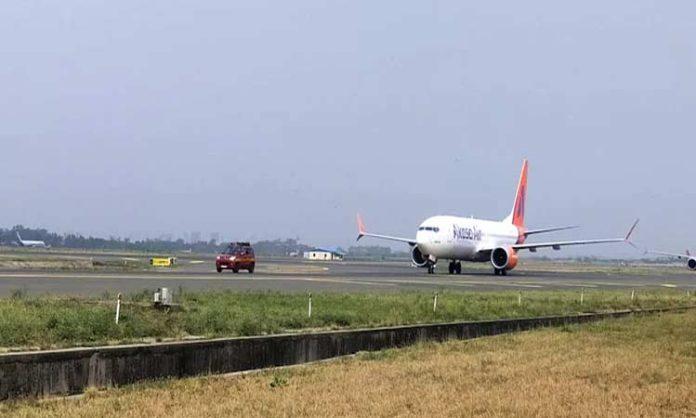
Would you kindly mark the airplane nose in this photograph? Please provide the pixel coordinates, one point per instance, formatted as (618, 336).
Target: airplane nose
(423, 241)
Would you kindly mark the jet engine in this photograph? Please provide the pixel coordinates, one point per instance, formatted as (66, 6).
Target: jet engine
(418, 258)
(692, 263)
(504, 258)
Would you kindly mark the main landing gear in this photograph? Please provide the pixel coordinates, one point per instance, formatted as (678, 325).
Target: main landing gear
(455, 267)
(500, 272)
(431, 268)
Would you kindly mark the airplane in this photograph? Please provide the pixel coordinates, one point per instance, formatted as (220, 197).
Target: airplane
(474, 240)
(690, 259)
(31, 244)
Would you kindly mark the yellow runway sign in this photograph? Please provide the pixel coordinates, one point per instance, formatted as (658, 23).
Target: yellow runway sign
(162, 261)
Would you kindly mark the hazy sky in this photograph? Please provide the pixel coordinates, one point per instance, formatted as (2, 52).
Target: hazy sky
(274, 119)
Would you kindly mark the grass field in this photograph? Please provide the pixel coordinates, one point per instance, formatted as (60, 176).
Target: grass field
(638, 366)
(46, 322)
(67, 262)
(632, 267)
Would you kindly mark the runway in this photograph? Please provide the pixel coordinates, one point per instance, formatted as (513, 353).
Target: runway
(296, 276)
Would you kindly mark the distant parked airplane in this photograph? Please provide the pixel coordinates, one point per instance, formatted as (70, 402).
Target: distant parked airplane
(31, 244)
(690, 259)
(467, 239)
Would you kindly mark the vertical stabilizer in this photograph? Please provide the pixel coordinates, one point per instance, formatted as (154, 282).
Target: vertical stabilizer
(516, 217)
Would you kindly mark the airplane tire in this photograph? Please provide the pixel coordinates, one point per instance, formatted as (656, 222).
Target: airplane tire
(458, 268)
(503, 272)
(452, 267)
(497, 272)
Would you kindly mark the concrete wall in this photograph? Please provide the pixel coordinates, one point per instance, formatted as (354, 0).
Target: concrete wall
(71, 371)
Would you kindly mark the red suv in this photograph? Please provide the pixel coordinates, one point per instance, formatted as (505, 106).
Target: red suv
(237, 256)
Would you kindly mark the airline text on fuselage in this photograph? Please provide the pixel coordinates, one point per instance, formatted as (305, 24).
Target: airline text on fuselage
(466, 233)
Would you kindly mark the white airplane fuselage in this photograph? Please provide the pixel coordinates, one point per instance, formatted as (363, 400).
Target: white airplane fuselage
(690, 259)
(33, 244)
(457, 238)
(30, 243)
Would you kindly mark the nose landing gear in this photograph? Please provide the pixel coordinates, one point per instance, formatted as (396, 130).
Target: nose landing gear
(500, 272)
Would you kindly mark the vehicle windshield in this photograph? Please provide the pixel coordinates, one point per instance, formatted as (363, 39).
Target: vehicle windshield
(236, 249)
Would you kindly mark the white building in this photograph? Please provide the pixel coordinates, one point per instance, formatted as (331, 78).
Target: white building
(320, 254)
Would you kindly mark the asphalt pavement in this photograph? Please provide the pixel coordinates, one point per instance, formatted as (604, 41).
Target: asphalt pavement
(298, 276)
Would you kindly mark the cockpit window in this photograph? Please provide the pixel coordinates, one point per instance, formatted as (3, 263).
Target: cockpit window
(429, 228)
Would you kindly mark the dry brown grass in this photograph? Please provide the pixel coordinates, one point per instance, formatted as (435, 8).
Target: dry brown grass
(632, 367)
(29, 262)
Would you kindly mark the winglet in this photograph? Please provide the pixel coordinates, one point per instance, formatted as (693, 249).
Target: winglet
(630, 231)
(361, 227)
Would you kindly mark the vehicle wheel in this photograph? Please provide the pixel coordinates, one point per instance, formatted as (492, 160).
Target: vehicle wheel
(251, 270)
(458, 268)
(219, 269)
(235, 271)
(452, 267)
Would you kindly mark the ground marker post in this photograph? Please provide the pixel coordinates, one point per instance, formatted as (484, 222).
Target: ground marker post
(309, 307)
(519, 298)
(582, 296)
(633, 294)
(435, 303)
(118, 308)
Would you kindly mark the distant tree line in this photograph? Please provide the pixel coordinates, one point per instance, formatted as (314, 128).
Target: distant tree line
(76, 241)
(277, 248)
(374, 252)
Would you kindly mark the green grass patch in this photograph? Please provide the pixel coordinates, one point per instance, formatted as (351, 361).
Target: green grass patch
(45, 322)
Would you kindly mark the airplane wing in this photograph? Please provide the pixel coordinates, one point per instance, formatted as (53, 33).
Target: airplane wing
(558, 244)
(362, 232)
(545, 230)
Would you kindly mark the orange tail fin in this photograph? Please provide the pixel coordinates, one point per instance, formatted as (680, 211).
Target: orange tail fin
(517, 215)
